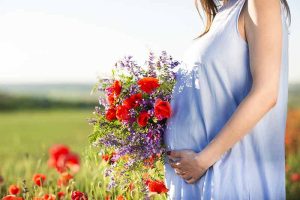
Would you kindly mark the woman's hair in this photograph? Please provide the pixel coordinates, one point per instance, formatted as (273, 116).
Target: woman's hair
(210, 9)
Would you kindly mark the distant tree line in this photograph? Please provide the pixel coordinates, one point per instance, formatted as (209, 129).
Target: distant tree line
(12, 102)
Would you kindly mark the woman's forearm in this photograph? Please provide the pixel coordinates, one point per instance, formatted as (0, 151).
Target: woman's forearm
(248, 113)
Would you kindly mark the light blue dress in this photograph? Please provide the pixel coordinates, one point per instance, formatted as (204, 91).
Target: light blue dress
(213, 80)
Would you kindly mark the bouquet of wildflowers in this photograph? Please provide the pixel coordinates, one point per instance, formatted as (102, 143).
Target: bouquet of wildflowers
(130, 120)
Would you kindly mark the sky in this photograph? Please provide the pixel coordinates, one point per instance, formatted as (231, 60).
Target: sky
(76, 41)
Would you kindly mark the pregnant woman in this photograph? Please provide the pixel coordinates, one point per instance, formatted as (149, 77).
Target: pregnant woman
(226, 134)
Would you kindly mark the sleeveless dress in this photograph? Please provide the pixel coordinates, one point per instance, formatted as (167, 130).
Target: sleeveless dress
(212, 81)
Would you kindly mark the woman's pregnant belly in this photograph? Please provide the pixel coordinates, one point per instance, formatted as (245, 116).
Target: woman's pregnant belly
(186, 127)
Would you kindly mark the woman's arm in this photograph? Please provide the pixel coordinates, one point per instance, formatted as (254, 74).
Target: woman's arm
(262, 25)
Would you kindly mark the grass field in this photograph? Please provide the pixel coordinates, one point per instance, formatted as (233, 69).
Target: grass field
(32, 132)
(26, 135)
(25, 139)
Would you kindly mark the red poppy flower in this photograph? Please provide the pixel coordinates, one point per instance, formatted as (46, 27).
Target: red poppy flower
(108, 157)
(107, 197)
(64, 179)
(295, 177)
(111, 99)
(111, 114)
(39, 179)
(61, 195)
(143, 119)
(131, 186)
(149, 162)
(49, 197)
(157, 186)
(122, 113)
(77, 195)
(105, 157)
(62, 159)
(14, 189)
(148, 84)
(162, 109)
(12, 197)
(56, 152)
(37, 198)
(132, 101)
(120, 197)
(72, 162)
(115, 88)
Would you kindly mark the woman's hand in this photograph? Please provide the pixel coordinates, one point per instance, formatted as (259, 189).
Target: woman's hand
(188, 164)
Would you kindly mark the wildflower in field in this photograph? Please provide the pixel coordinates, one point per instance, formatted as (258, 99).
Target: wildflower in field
(63, 159)
(60, 195)
(107, 197)
(64, 179)
(72, 162)
(39, 179)
(12, 197)
(120, 197)
(156, 186)
(56, 152)
(14, 189)
(77, 195)
(49, 197)
(131, 186)
(295, 177)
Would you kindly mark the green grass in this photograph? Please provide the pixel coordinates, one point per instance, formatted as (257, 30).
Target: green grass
(25, 137)
(32, 132)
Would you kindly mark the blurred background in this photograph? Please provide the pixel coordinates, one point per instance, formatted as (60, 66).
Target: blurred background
(53, 51)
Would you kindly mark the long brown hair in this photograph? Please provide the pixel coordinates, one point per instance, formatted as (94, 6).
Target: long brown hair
(210, 9)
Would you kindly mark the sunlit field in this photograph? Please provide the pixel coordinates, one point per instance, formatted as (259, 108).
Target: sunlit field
(25, 139)
(27, 134)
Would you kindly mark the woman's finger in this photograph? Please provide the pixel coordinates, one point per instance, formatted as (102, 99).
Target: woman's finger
(186, 176)
(176, 165)
(172, 164)
(179, 172)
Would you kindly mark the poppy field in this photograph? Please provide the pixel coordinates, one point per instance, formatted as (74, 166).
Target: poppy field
(45, 154)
